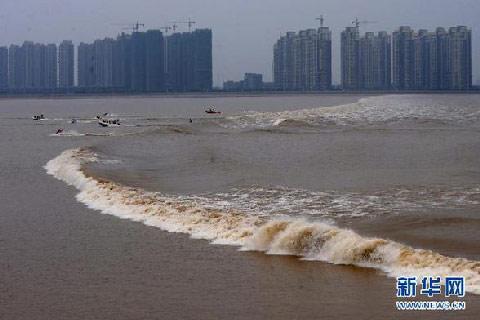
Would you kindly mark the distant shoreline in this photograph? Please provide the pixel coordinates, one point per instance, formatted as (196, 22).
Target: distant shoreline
(221, 94)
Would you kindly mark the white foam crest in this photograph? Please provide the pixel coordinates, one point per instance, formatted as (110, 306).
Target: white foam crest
(271, 119)
(324, 242)
(308, 240)
(150, 208)
(369, 110)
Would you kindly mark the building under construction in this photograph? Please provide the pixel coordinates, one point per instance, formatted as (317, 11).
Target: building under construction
(189, 61)
(148, 62)
(136, 62)
(365, 60)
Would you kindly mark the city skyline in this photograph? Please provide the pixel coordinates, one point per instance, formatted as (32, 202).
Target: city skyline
(302, 61)
(239, 26)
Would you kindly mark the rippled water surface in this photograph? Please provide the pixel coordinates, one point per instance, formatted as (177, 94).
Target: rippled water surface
(385, 182)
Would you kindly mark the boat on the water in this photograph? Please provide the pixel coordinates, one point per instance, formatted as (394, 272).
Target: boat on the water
(108, 122)
(211, 110)
(38, 117)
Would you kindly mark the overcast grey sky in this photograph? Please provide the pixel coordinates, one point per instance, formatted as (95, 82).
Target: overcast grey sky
(244, 30)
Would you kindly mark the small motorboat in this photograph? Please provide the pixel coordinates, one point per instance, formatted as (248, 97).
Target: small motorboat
(108, 122)
(59, 131)
(211, 110)
(38, 117)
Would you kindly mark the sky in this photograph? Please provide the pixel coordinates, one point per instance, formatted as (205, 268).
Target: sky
(244, 31)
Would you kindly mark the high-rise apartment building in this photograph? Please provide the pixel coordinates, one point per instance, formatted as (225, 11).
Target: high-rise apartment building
(103, 62)
(374, 61)
(122, 57)
(66, 73)
(86, 65)
(16, 68)
(3, 68)
(29, 64)
(323, 74)
(403, 59)
(460, 53)
(39, 59)
(284, 63)
(303, 60)
(432, 60)
(189, 62)
(350, 58)
(154, 61)
(138, 64)
(51, 67)
(175, 65)
(202, 60)
(443, 59)
(408, 60)
(366, 60)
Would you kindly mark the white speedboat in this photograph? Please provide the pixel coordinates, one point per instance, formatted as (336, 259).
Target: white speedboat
(108, 122)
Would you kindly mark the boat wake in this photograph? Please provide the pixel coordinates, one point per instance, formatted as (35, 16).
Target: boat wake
(319, 241)
(74, 133)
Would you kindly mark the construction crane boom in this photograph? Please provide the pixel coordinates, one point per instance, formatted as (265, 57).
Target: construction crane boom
(137, 26)
(357, 22)
(190, 24)
(174, 27)
(165, 29)
(321, 19)
(134, 27)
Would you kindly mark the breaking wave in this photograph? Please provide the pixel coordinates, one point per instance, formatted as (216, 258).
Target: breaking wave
(367, 111)
(286, 236)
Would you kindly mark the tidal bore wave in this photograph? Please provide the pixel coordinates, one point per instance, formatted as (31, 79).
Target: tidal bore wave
(308, 240)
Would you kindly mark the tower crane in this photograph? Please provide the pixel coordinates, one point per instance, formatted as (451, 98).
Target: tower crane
(321, 19)
(357, 22)
(190, 24)
(135, 26)
(165, 29)
(174, 27)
